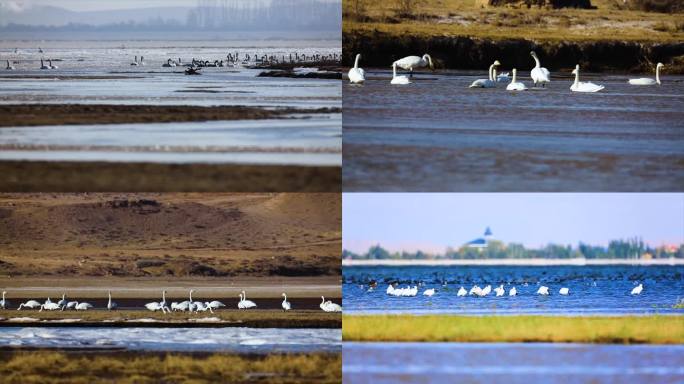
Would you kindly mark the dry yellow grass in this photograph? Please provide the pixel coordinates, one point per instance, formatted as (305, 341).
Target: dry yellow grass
(594, 329)
(58, 367)
(468, 18)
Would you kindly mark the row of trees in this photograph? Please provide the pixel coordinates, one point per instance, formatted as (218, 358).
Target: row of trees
(617, 249)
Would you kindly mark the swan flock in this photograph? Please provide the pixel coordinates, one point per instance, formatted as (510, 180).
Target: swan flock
(189, 305)
(540, 75)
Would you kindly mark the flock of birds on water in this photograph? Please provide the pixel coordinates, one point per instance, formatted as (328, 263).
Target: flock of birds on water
(188, 305)
(540, 75)
(479, 292)
(232, 60)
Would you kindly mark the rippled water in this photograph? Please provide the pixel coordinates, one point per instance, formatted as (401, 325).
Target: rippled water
(175, 339)
(314, 140)
(593, 289)
(510, 363)
(437, 134)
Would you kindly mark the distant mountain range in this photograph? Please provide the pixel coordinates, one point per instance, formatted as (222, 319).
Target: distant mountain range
(55, 16)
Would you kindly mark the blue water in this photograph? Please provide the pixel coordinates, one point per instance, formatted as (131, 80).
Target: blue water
(594, 290)
(510, 363)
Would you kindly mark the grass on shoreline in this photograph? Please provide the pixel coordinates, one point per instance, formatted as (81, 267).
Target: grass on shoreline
(553, 329)
(468, 18)
(58, 367)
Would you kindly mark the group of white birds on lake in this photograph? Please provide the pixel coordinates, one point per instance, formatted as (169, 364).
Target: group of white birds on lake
(188, 305)
(482, 292)
(539, 75)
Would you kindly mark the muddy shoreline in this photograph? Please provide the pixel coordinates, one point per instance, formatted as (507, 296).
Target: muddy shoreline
(22, 115)
(64, 176)
(379, 49)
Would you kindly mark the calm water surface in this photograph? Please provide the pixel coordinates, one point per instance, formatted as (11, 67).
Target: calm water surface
(510, 363)
(594, 290)
(437, 134)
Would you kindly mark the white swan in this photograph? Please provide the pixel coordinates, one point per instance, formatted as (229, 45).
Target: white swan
(543, 290)
(514, 85)
(142, 60)
(83, 306)
(285, 304)
(486, 290)
(637, 290)
(33, 304)
(461, 292)
(159, 306)
(135, 63)
(216, 304)
(110, 304)
(4, 303)
(539, 74)
(410, 62)
(48, 301)
(564, 291)
(475, 290)
(200, 306)
(499, 290)
(639, 81)
(429, 292)
(42, 65)
(357, 75)
(488, 82)
(49, 307)
(70, 305)
(63, 301)
(244, 303)
(398, 80)
(579, 86)
(329, 306)
(513, 292)
(9, 67)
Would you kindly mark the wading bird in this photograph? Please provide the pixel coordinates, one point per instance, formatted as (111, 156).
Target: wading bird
(357, 75)
(408, 63)
(539, 74)
(285, 304)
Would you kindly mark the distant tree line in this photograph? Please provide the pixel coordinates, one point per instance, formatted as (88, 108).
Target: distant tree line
(616, 249)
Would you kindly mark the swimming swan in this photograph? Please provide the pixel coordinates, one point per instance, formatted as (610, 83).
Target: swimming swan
(489, 82)
(329, 306)
(357, 75)
(513, 292)
(543, 290)
(637, 290)
(514, 85)
(499, 290)
(244, 303)
(539, 74)
(110, 304)
(642, 80)
(410, 62)
(398, 80)
(461, 292)
(579, 86)
(564, 291)
(285, 304)
(169, 63)
(429, 292)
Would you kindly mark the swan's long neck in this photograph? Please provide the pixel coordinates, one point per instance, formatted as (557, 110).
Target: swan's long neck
(190, 297)
(322, 300)
(536, 60)
(109, 303)
(356, 62)
(494, 74)
(513, 81)
(657, 74)
(491, 70)
(576, 76)
(163, 296)
(284, 295)
(394, 70)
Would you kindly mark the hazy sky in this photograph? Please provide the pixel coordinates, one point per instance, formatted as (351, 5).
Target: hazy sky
(99, 5)
(431, 222)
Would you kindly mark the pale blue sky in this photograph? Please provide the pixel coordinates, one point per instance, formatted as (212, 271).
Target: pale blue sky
(431, 222)
(98, 5)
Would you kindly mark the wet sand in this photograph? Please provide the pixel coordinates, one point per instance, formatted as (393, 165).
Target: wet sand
(64, 176)
(63, 114)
